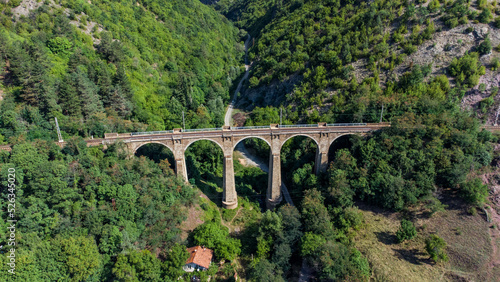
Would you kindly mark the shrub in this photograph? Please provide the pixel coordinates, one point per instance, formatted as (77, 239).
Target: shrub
(495, 63)
(485, 46)
(254, 82)
(485, 16)
(474, 191)
(434, 245)
(406, 231)
(467, 69)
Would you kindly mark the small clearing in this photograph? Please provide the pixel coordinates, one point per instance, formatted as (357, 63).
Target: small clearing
(467, 236)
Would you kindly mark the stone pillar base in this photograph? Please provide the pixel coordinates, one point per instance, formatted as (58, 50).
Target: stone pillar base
(270, 205)
(230, 205)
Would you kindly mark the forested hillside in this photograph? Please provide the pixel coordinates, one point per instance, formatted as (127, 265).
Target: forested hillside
(114, 66)
(408, 202)
(433, 66)
(344, 59)
(90, 215)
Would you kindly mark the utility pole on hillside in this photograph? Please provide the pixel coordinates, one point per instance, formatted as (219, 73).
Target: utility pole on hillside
(58, 132)
(183, 122)
(281, 116)
(381, 113)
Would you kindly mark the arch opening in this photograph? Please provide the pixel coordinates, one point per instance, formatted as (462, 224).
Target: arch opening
(205, 168)
(251, 169)
(157, 152)
(341, 143)
(298, 156)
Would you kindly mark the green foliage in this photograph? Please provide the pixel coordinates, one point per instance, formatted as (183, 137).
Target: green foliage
(396, 167)
(76, 194)
(335, 262)
(216, 237)
(457, 13)
(137, 266)
(315, 214)
(300, 42)
(485, 16)
(277, 237)
(406, 231)
(140, 68)
(80, 256)
(60, 45)
(495, 63)
(474, 191)
(311, 243)
(485, 46)
(467, 69)
(266, 271)
(176, 259)
(435, 247)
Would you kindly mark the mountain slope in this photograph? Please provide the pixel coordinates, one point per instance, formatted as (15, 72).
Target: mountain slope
(144, 62)
(344, 59)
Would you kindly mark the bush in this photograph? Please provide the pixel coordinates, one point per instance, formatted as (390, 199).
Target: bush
(485, 46)
(485, 16)
(406, 231)
(495, 64)
(467, 69)
(254, 82)
(474, 191)
(434, 245)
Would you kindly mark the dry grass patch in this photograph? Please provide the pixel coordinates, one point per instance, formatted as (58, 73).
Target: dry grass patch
(469, 244)
(389, 260)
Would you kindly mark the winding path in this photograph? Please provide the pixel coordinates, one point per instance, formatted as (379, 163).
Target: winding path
(229, 112)
(251, 160)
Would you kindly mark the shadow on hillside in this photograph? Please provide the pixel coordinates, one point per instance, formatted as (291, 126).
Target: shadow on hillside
(413, 256)
(386, 238)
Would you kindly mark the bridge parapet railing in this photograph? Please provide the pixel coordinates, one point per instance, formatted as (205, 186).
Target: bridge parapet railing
(116, 135)
(151, 132)
(298, 125)
(202, 129)
(249, 127)
(346, 124)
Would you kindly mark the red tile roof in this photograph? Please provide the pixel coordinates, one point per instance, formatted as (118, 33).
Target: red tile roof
(200, 256)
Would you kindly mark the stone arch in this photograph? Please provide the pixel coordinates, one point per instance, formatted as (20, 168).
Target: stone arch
(199, 139)
(248, 137)
(300, 134)
(337, 136)
(333, 149)
(137, 147)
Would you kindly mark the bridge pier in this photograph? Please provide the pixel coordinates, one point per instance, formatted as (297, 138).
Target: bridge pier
(324, 142)
(229, 200)
(321, 162)
(273, 197)
(180, 168)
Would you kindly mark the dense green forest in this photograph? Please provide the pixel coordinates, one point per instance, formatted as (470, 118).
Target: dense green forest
(115, 66)
(79, 208)
(91, 214)
(316, 46)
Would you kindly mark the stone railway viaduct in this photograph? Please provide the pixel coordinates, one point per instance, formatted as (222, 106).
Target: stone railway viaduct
(227, 138)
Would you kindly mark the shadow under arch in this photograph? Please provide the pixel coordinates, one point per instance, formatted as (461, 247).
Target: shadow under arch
(251, 168)
(298, 160)
(345, 141)
(205, 167)
(156, 151)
